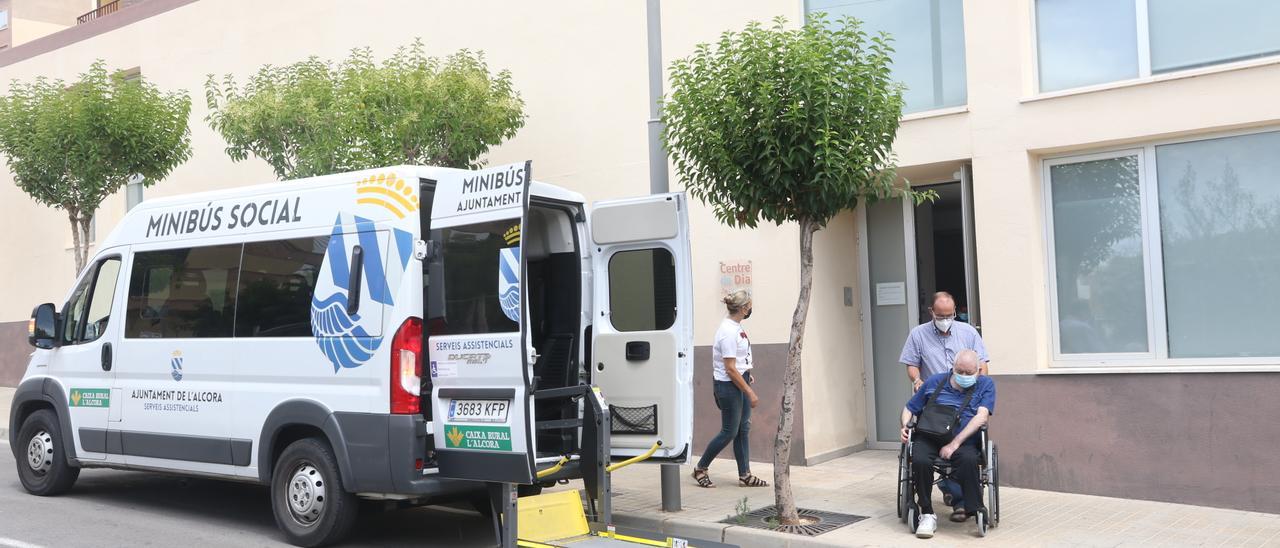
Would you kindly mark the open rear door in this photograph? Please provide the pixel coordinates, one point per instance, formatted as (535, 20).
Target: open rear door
(643, 323)
(479, 347)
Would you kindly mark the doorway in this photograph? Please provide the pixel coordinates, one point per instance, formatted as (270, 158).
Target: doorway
(942, 251)
(911, 252)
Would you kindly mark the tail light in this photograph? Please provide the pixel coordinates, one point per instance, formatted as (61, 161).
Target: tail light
(406, 368)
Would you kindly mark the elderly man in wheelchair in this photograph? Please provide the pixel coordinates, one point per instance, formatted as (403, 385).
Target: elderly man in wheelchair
(944, 431)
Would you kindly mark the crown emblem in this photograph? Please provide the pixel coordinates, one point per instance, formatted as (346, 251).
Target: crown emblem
(388, 191)
(512, 235)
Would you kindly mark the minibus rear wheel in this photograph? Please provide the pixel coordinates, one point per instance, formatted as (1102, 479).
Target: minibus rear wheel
(308, 499)
(42, 459)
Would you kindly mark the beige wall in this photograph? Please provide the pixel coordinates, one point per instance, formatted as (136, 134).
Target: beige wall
(26, 30)
(835, 415)
(1006, 129)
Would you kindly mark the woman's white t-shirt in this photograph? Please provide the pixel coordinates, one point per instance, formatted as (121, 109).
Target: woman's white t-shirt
(731, 341)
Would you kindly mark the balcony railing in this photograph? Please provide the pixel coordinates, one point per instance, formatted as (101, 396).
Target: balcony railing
(106, 9)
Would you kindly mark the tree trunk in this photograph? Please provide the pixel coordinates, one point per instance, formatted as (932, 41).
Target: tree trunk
(85, 221)
(77, 246)
(787, 514)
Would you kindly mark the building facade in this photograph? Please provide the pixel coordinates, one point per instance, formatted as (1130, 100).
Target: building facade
(1105, 210)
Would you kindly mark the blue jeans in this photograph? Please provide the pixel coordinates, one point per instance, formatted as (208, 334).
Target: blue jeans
(953, 488)
(735, 426)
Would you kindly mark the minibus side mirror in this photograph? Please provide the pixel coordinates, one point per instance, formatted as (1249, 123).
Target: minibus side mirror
(42, 330)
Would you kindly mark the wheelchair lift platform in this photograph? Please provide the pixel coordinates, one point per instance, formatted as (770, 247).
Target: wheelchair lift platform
(577, 518)
(557, 520)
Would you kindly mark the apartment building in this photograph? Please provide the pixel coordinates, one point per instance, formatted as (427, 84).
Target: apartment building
(1107, 206)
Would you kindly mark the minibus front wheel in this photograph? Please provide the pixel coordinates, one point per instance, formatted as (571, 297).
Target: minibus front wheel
(310, 504)
(42, 459)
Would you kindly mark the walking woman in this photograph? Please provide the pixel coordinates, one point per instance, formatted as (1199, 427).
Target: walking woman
(731, 357)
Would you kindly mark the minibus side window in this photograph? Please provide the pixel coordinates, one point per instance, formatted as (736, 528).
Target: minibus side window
(104, 293)
(478, 262)
(642, 290)
(277, 280)
(73, 312)
(183, 293)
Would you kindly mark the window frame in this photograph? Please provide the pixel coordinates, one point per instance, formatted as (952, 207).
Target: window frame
(91, 278)
(962, 107)
(233, 291)
(608, 274)
(1143, 39)
(1157, 358)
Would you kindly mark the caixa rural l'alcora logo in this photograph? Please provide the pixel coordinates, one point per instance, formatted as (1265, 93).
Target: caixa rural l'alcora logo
(341, 331)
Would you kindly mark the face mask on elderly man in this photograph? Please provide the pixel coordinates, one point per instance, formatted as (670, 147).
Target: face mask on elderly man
(965, 381)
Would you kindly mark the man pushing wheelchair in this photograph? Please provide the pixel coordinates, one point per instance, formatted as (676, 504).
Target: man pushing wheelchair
(943, 431)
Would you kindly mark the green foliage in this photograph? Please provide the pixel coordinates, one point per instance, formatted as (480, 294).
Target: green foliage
(313, 118)
(70, 146)
(781, 125)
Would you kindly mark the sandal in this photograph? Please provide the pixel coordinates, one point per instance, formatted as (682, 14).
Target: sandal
(750, 480)
(703, 479)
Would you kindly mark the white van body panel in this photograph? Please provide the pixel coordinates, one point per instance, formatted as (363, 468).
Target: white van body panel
(207, 404)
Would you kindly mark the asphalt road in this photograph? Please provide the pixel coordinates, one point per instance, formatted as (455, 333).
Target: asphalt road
(113, 508)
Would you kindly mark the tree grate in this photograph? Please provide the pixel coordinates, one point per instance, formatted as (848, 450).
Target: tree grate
(766, 518)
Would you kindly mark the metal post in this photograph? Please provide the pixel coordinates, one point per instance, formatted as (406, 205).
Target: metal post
(657, 155)
(502, 498)
(658, 184)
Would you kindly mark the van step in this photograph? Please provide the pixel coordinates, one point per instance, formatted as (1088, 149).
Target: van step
(564, 424)
(566, 392)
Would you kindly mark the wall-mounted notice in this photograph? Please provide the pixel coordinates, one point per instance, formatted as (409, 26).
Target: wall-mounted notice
(892, 293)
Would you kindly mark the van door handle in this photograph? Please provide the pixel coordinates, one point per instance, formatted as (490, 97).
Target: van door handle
(353, 283)
(637, 351)
(106, 356)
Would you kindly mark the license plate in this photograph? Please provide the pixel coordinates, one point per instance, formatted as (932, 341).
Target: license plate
(478, 410)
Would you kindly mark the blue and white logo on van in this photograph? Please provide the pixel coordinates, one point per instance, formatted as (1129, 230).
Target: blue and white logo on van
(343, 337)
(509, 282)
(175, 364)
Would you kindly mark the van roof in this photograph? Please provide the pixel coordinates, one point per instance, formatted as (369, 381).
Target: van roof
(537, 188)
(142, 211)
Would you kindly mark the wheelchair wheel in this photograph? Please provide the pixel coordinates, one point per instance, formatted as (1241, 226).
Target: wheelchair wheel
(993, 494)
(982, 522)
(904, 494)
(912, 517)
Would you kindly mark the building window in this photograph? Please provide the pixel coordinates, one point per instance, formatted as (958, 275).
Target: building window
(1161, 254)
(1086, 42)
(4, 19)
(928, 43)
(642, 290)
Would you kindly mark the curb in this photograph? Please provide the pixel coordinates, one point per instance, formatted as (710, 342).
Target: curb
(691, 529)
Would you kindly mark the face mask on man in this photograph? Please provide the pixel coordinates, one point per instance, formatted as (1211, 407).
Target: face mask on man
(965, 381)
(943, 325)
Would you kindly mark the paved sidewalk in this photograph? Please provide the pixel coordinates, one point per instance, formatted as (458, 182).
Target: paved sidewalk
(865, 484)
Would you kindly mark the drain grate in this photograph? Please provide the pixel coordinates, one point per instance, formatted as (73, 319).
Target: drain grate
(767, 518)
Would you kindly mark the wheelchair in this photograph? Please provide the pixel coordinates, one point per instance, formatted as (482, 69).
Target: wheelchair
(988, 482)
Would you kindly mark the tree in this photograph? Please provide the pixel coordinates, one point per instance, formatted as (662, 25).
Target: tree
(312, 118)
(70, 146)
(786, 125)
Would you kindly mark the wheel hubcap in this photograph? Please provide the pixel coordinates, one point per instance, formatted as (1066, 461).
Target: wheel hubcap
(306, 493)
(40, 452)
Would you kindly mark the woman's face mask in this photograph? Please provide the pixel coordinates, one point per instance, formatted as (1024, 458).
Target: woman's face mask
(748, 314)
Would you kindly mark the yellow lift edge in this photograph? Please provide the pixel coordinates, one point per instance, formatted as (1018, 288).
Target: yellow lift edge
(556, 520)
